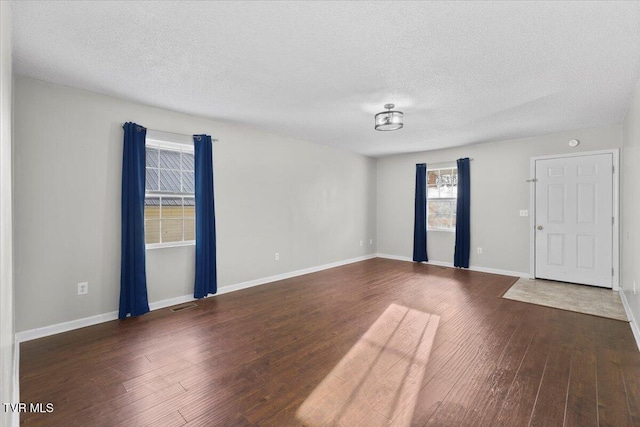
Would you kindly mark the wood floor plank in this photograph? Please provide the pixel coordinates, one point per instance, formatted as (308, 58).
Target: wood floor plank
(455, 406)
(264, 356)
(173, 419)
(613, 408)
(428, 401)
(499, 381)
(582, 401)
(631, 377)
(522, 394)
(551, 401)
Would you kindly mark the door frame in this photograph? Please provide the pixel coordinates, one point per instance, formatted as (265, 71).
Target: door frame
(615, 152)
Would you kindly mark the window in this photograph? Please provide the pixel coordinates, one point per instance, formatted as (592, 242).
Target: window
(169, 204)
(442, 193)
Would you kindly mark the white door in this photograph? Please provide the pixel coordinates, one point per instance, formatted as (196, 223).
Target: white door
(574, 219)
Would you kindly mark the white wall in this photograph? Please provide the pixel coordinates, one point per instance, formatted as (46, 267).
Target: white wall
(498, 192)
(630, 212)
(312, 204)
(6, 245)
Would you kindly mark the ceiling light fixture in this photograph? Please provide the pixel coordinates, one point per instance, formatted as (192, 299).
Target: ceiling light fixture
(389, 120)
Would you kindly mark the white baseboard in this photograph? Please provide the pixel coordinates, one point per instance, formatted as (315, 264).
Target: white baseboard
(395, 257)
(450, 264)
(168, 302)
(265, 280)
(632, 320)
(58, 328)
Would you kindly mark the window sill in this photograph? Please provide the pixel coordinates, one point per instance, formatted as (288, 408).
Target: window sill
(446, 230)
(170, 245)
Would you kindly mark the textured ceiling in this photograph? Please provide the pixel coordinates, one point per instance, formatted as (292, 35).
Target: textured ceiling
(461, 72)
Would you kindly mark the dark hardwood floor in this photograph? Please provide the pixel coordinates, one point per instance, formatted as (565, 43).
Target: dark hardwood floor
(378, 342)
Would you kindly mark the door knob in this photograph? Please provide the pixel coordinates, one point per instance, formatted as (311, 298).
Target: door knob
(539, 227)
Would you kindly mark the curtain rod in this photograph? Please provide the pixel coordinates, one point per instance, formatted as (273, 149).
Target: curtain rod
(449, 161)
(175, 133)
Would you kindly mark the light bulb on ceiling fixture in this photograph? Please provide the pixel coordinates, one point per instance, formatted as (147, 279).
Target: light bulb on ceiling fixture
(389, 120)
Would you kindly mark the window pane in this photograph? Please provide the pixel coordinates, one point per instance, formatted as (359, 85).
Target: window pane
(454, 176)
(169, 171)
(170, 180)
(441, 214)
(169, 159)
(432, 177)
(450, 183)
(447, 176)
(171, 207)
(446, 183)
(171, 230)
(152, 156)
(432, 188)
(439, 208)
(152, 231)
(189, 229)
(188, 161)
(189, 210)
(152, 208)
(432, 192)
(151, 180)
(188, 184)
(446, 191)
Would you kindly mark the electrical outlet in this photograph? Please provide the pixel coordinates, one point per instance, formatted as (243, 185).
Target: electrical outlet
(479, 250)
(634, 287)
(83, 288)
(524, 212)
(277, 256)
(361, 242)
(371, 241)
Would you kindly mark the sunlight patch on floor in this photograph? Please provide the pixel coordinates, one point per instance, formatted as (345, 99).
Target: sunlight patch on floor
(379, 379)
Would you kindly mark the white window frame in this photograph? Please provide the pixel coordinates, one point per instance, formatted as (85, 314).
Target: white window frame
(453, 199)
(169, 146)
